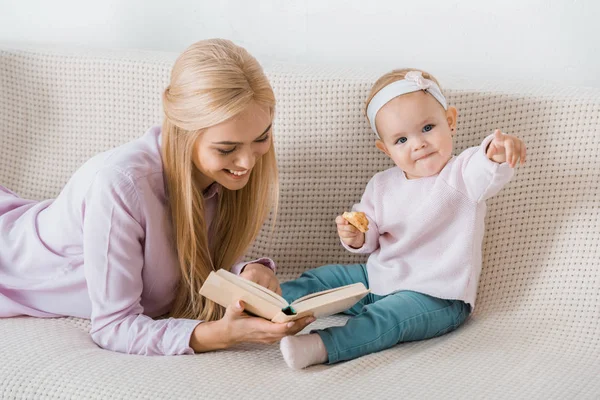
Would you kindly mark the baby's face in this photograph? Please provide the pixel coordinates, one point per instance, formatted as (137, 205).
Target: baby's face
(416, 133)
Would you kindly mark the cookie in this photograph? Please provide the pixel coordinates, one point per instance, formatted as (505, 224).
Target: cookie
(357, 219)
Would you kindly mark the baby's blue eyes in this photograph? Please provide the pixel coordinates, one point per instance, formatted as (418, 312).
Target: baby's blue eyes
(426, 128)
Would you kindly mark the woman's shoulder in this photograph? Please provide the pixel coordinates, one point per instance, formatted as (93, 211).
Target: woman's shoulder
(138, 158)
(136, 165)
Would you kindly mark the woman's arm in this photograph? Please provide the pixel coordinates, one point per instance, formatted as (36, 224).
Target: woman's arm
(113, 262)
(209, 336)
(238, 268)
(261, 271)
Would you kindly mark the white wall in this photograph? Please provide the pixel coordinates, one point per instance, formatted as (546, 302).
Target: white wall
(545, 40)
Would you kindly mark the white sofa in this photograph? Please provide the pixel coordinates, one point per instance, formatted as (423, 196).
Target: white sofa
(535, 332)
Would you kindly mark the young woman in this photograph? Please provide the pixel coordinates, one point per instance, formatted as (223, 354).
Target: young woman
(137, 229)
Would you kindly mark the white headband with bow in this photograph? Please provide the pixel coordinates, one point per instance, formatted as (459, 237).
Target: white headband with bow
(413, 82)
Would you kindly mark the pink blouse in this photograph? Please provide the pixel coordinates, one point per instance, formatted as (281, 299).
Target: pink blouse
(102, 250)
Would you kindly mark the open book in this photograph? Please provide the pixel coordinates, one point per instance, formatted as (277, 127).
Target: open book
(224, 288)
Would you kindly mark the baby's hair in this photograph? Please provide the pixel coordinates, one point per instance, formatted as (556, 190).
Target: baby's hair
(393, 76)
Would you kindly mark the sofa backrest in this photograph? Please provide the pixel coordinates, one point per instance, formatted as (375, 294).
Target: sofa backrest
(58, 107)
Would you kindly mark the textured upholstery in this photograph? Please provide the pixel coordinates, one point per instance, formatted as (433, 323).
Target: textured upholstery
(535, 332)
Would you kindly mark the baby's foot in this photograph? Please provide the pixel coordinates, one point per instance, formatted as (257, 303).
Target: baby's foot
(303, 350)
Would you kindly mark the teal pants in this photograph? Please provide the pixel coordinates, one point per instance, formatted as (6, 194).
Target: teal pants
(377, 322)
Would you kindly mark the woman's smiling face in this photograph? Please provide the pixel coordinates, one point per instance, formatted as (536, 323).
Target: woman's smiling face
(227, 152)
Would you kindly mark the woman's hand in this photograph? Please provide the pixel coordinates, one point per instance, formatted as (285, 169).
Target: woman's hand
(238, 327)
(241, 327)
(262, 275)
(506, 148)
(349, 234)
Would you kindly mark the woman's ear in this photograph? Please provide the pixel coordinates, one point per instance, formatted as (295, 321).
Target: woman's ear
(451, 115)
(381, 146)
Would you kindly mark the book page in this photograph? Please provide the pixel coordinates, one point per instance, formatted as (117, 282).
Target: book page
(345, 288)
(254, 288)
(325, 303)
(225, 292)
(332, 301)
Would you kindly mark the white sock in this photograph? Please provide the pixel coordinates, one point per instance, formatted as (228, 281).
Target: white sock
(303, 350)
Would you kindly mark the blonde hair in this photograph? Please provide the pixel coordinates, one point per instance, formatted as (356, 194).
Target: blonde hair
(393, 76)
(212, 81)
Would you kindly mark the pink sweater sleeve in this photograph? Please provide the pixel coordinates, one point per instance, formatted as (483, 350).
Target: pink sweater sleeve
(113, 261)
(267, 262)
(367, 205)
(482, 177)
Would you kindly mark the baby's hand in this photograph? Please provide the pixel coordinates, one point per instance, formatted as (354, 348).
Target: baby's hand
(506, 148)
(349, 234)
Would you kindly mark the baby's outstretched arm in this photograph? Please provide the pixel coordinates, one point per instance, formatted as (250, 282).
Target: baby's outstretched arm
(506, 148)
